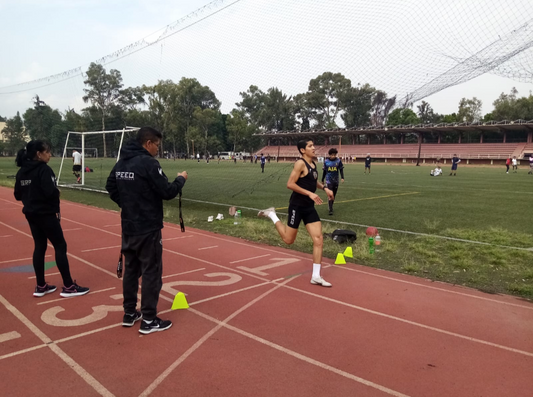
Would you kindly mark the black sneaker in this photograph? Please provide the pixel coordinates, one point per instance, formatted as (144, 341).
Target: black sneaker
(73, 290)
(42, 291)
(156, 325)
(129, 319)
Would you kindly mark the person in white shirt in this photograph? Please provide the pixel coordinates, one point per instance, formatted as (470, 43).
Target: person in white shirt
(76, 168)
(436, 172)
(514, 162)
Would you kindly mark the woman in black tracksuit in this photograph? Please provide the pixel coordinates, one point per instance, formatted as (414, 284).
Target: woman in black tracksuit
(36, 187)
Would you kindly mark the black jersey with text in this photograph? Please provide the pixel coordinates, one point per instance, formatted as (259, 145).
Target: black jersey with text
(307, 182)
(332, 168)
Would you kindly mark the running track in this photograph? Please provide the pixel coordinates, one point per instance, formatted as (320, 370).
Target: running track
(256, 326)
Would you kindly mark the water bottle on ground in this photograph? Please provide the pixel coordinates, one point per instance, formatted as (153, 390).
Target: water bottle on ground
(238, 216)
(377, 242)
(371, 244)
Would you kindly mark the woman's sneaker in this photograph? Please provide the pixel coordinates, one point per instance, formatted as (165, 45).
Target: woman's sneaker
(156, 325)
(73, 290)
(129, 319)
(42, 291)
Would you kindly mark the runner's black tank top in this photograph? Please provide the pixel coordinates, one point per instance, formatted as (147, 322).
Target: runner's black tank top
(307, 182)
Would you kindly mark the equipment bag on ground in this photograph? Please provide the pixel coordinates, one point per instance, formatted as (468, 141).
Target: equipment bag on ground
(342, 236)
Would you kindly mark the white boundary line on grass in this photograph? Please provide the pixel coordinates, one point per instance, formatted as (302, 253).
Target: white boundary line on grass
(384, 228)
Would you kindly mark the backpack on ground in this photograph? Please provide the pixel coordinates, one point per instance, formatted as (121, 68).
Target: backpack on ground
(342, 236)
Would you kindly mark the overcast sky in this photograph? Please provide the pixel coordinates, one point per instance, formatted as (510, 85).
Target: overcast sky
(394, 45)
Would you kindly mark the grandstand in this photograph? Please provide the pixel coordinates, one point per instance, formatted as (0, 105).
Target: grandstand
(281, 144)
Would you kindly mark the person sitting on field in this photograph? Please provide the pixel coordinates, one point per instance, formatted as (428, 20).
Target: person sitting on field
(436, 172)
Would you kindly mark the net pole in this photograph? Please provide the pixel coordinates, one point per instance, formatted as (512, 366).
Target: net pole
(63, 158)
(120, 145)
(83, 159)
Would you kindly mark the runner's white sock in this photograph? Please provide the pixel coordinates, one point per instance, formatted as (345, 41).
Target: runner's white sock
(274, 217)
(316, 270)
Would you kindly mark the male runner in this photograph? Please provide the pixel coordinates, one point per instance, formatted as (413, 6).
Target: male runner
(303, 181)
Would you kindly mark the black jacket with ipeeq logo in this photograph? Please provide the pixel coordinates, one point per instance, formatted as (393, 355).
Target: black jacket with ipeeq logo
(138, 185)
(36, 187)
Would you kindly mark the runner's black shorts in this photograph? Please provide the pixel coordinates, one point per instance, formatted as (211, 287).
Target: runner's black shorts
(298, 214)
(76, 168)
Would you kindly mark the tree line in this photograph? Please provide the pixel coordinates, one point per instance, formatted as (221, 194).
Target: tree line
(189, 113)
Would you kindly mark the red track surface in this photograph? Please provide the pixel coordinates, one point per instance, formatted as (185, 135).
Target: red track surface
(251, 330)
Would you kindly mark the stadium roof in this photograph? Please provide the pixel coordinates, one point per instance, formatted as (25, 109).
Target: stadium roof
(489, 126)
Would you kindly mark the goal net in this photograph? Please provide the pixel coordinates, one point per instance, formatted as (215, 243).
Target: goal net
(98, 150)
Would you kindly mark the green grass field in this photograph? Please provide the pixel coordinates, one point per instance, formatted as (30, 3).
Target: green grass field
(480, 204)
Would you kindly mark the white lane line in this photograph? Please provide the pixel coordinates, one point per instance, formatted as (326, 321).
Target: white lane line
(103, 248)
(301, 356)
(249, 259)
(46, 274)
(111, 225)
(22, 259)
(7, 235)
(88, 378)
(200, 342)
(63, 299)
(71, 230)
(301, 256)
(179, 274)
(428, 327)
(177, 238)
(437, 288)
(207, 248)
(382, 228)
(9, 336)
(29, 349)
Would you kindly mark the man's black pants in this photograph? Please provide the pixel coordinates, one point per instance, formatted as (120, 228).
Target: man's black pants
(143, 257)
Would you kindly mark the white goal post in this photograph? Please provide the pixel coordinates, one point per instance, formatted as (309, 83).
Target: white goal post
(84, 149)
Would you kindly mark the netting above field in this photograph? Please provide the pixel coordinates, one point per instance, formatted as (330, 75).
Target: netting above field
(411, 49)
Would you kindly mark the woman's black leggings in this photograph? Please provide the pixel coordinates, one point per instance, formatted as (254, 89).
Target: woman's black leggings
(43, 228)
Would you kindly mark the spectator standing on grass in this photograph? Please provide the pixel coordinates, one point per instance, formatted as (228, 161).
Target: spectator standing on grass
(36, 187)
(455, 160)
(515, 164)
(368, 161)
(303, 181)
(263, 160)
(507, 164)
(76, 168)
(138, 185)
(530, 164)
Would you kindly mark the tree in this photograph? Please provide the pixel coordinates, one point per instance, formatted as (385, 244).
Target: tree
(203, 121)
(277, 113)
(505, 106)
(39, 120)
(324, 97)
(469, 110)
(252, 104)
(426, 113)
(381, 106)
(402, 117)
(302, 112)
(357, 103)
(14, 134)
(240, 131)
(104, 91)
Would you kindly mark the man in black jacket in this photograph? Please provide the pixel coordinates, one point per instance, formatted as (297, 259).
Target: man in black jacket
(138, 185)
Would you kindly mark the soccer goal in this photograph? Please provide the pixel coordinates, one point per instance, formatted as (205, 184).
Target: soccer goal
(99, 150)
